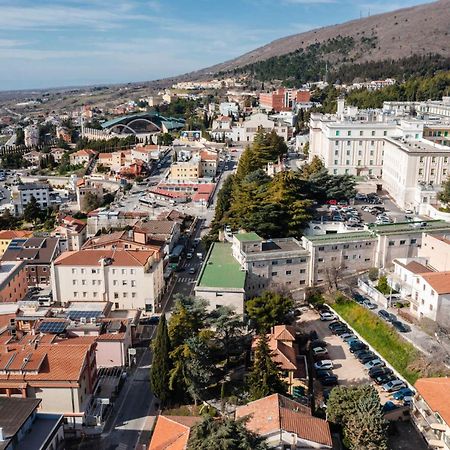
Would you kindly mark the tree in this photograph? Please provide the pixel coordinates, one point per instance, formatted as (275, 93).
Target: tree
(91, 202)
(373, 273)
(159, 374)
(224, 433)
(358, 410)
(315, 166)
(383, 285)
(32, 211)
(269, 309)
(265, 376)
(444, 195)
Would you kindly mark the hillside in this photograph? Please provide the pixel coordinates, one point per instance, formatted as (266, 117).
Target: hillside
(419, 30)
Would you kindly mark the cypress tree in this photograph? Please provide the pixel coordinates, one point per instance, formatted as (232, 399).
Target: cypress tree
(265, 376)
(159, 374)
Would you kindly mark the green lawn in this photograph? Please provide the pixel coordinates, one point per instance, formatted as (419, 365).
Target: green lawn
(382, 337)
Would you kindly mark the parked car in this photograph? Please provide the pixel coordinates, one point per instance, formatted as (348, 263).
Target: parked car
(339, 331)
(318, 343)
(319, 351)
(351, 340)
(364, 360)
(192, 270)
(374, 363)
(324, 364)
(383, 314)
(331, 380)
(394, 385)
(189, 255)
(362, 353)
(355, 346)
(402, 393)
(321, 373)
(347, 335)
(379, 371)
(386, 378)
(359, 298)
(409, 211)
(325, 316)
(389, 406)
(335, 324)
(369, 305)
(400, 326)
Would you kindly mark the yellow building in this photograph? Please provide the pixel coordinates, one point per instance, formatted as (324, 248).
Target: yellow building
(187, 170)
(6, 236)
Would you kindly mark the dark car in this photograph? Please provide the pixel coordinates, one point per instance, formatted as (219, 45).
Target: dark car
(375, 372)
(384, 314)
(342, 330)
(361, 353)
(366, 354)
(322, 373)
(400, 326)
(383, 379)
(358, 346)
(318, 343)
(335, 324)
(367, 359)
(331, 380)
(359, 298)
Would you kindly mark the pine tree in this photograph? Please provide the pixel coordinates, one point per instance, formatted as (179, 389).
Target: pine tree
(159, 375)
(32, 211)
(265, 376)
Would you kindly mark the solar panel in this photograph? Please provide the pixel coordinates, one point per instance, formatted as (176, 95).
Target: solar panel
(52, 327)
(77, 315)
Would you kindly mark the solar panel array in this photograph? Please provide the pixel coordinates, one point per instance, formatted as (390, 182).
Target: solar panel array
(53, 327)
(77, 315)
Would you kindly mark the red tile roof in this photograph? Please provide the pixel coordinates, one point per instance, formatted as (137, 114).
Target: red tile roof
(278, 413)
(172, 432)
(13, 234)
(436, 393)
(439, 281)
(119, 258)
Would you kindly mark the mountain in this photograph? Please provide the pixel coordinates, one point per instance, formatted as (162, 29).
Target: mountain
(418, 30)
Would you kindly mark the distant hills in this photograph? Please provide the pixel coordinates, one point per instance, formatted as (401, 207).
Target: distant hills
(407, 34)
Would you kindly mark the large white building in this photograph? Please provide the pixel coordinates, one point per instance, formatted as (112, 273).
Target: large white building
(414, 170)
(245, 131)
(31, 135)
(129, 279)
(353, 142)
(23, 193)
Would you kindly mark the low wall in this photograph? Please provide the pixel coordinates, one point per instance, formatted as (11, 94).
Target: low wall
(435, 214)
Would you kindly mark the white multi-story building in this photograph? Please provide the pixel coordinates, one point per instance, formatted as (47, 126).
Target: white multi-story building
(353, 142)
(245, 131)
(23, 193)
(440, 108)
(31, 135)
(229, 109)
(414, 171)
(129, 279)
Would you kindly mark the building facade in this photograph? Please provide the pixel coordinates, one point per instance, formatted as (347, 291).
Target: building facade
(23, 193)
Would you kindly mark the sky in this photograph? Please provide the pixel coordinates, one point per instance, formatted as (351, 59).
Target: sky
(54, 43)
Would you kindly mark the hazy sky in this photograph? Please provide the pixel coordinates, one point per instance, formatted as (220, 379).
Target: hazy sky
(46, 43)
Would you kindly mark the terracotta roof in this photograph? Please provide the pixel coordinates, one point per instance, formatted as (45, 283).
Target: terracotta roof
(439, 281)
(444, 239)
(436, 393)
(119, 258)
(105, 156)
(276, 412)
(416, 267)
(172, 432)
(34, 251)
(283, 333)
(13, 234)
(155, 227)
(283, 355)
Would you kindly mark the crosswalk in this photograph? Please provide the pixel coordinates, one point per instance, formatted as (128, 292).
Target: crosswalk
(185, 280)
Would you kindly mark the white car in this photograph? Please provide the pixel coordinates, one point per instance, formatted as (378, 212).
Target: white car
(320, 351)
(409, 211)
(374, 363)
(324, 364)
(394, 385)
(327, 316)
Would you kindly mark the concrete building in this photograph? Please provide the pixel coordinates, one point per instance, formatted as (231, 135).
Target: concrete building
(13, 281)
(162, 233)
(31, 135)
(439, 108)
(414, 172)
(221, 128)
(24, 427)
(34, 157)
(285, 423)
(129, 279)
(186, 170)
(6, 236)
(439, 133)
(221, 280)
(22, 194)
(271, 263)
(431, 411)
(229, 109)
(436, 250)
(146, 153)
(107, 219)
(81, 157)
(73, 231)
(85, 187)
(59, 372)
(38, 255)
(246, 130)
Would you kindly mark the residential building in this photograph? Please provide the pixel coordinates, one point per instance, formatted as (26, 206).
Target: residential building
(31, 135)
(129, 279)
(73, 231)
(273, 262)
(438, 133)
(63, 133)
(119, 240)
(22, 194)
(284, 352)
(208, 163)
(6, 236)
(34, 157)
(283, 99)
(57, 154)
(285, 423)
(414, 172)
(13, 281)
(229, 109)
(60, 372)
(436, 249)
(103, 218)
(85, 187)
(165, 233)
(24, 427)
(222, 280)
(82, 157)
(186, 170)
(172, 432)
(431, 411)
(221, 128)
(439, 108)
(246, 130)
(146, 153)
(38, 254)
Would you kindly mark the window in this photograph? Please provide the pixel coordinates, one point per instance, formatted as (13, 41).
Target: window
(115, 282)
(302, 281)
(124, 282)
(346, 246)
(274, 274)
(360, 143)
(336, 152)
(116, 305)
(302, 270)
(361, 133)
(321, 249)
(413, 241)
(349, 133)
(84, 294)
(302, 260)
(124, 271)
(94, 271)
(336, 162)
(347, 162)
(359, 162)
(75, 294)
(431, 307)
(82, 271)
(288, 272)
(116, 295)
(74, 270)
(289, 261)
(349, 142)
(320, 260)
(74, 282)
(83, 282)
(336, 143)
(133, 283)
(274, 263)
(133, 295)
(385, 133)
(402, 242)
(420, 171)
(337, 133)
(391, 243)
(372, 143)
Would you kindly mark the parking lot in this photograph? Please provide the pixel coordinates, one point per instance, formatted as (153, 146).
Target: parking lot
(346, 367)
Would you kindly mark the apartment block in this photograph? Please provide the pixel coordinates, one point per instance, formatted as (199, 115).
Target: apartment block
(22, 194)
(436, 250)
(283, 99)
(6, 236)
(439, 133)
(129, 279)
(431, 412)
(13, 281)
(81, 157)
(71, 230)
(246, 130)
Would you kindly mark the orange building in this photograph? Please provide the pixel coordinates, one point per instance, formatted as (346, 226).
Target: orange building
(13, 281)
(283, 99)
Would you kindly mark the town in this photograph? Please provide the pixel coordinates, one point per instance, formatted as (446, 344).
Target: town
(227, 262)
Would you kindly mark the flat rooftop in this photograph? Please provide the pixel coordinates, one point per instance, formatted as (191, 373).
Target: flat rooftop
(419, 146)
(338, 237)
(7, 268)
(408, 227)
(248, 237)
(221, 270)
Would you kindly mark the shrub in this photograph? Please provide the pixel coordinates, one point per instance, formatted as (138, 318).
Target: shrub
(373, 274)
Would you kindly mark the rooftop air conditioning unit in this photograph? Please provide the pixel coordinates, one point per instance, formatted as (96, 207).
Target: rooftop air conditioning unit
(83, 319)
